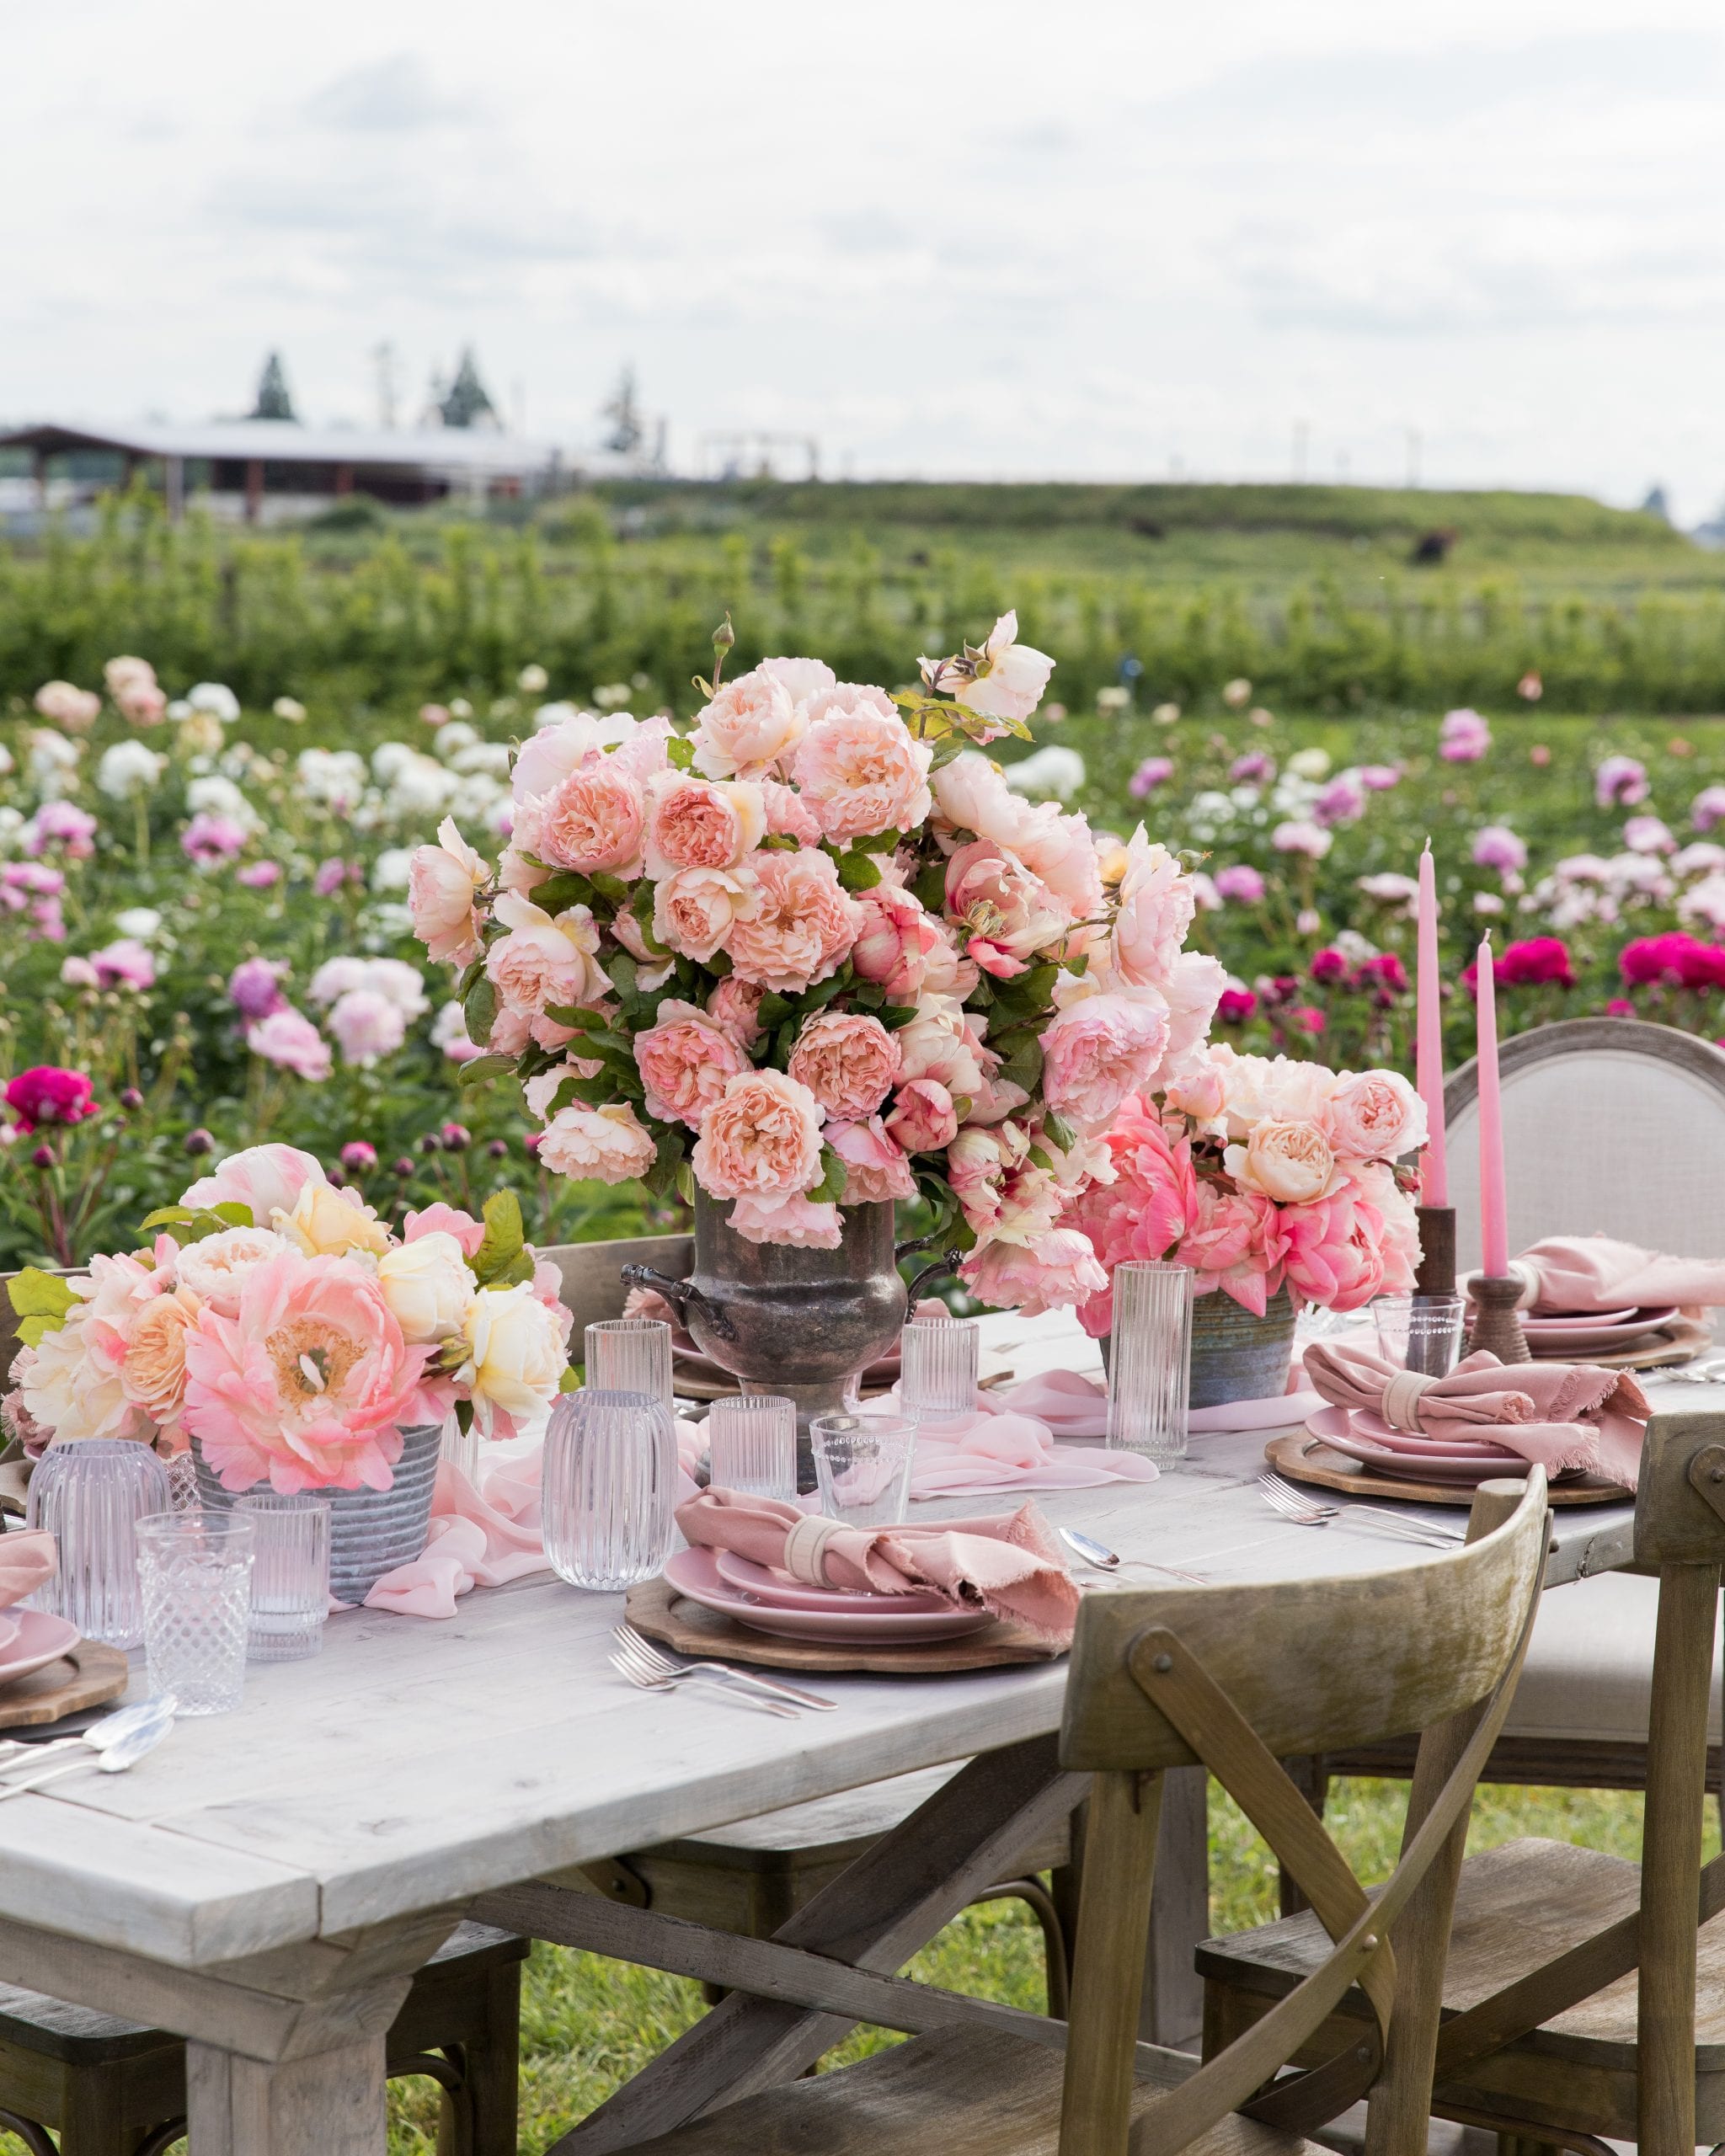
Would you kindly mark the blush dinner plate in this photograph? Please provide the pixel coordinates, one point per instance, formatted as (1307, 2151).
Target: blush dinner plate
(695, 1573)
(1377, 1431)
(1334, 1425)
(39, 1639)
(783, 1592)
(1549, 1334)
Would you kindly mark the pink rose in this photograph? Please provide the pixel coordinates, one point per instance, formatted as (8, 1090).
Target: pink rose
(1060, 850)
(695, 910)
(735, 1004)
(847, 1060)
(761, 1139)
(1335, 1251)
(972, 795)
(697, 822)
(805, 679)
(264, 1178)
(591, 821)
(1192, 992)
(443, 881)
(1236, 1243)
(540, 961)
(789, 815)
(551, 753)
(1375, 1115)
(877, 1168)
(1052, 1272)
(685, 1061)
(752, 724)
(1290, 1162)
(801, 926)
(896, 939)
(1005, 913)
(1010, 677)
(601, 1145)
(793, 1220)
(1096, 1051)
(861, 771)
(288, 1039)
(1157, 905)
(367, 1024)
(978, 1163)
(924, 1118)
(654, 967)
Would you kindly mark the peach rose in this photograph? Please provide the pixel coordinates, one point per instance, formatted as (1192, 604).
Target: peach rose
(972, 795)
(215, 1267)
(896, 940)
(685, 1062)
(924, 1118)
(1290, 1162)
(542, 961)
(876, 1166)
(1005, 913)
(1060, 850)
(1157, 905)
(591, 821)
(796, 1220)
(607, 1145)
(1095, 1053)
(442, 882)
(801, 927)
(788, 816)
(761, 1137)
(862, 770)
(152, 1375)
(551, 753)
(939, 1042)
(847, 1060)
(752, 724)
(805, 679)
(698, 822)
(1375, 1115)
(695, 910)
(735, 1004)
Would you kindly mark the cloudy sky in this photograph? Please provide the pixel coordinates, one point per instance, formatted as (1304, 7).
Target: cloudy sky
(1112, 238)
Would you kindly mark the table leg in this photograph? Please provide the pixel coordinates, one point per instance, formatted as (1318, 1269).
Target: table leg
(330, 2104)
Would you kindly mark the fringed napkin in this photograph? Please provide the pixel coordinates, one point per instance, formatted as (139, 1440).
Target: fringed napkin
(1580, 1276)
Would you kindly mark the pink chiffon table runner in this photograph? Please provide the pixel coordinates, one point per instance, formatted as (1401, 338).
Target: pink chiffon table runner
(26, 1561)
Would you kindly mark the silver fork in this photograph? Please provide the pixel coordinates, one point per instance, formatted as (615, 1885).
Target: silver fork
(645, 1680)
(1305, 1512)
(655, 1659)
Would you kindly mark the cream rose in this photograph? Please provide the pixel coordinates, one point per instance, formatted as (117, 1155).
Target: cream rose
(325, 1222)
(215, 1268)
(1375, 1115)
(696, 909)
(750, 725)
(1290, 1162)
(427, 1287)
(516, 1355)
(601, 1145)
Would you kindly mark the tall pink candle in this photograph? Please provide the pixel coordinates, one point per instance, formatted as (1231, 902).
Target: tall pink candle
(1429, 1042)
(1493, 1211)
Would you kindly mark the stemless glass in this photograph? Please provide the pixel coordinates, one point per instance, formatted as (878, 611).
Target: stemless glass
(862, 1466)
(1150, 1360)
(609, 1486)
(195, 1569)
(290, 1576)
(752, 1445)
(90, 1493)
(630, 1355)
(1420, 1333)
(937, 1371)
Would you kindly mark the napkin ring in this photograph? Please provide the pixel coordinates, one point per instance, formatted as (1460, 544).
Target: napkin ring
(805, 1548)
(1401, 1400)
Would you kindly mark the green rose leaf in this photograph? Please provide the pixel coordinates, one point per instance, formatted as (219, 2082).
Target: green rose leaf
(504, 1239)
(680, 752)
(834, 1174)
(36, 1295)
(479, 1010)
(1059, 1132)
(859, 872)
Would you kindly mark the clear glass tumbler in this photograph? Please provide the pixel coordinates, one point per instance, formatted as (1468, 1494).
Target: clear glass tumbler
(608, 1487)
(90, 1494)
(862, 1466)
(195, 1569)
(1420, 1333)
(937, 1371)
(752, 1445)
(290, 1576)
(1150, 1359)
(630, 1355)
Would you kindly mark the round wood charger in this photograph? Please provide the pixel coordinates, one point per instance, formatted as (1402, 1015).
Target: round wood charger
(655, 1607)
(85, 1675)
(1305, 1459)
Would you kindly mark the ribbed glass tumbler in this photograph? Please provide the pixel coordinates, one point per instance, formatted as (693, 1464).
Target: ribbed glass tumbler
(90, 1494)
(630, 1355)
(752, 1445)
(195, 1569)
(937, 1369)
(1150, 1359)
(290, 1576)
(608, 1488)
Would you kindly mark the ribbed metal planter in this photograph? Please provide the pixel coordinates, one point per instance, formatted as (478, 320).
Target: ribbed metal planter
(1235, 1356)
(370, 1531)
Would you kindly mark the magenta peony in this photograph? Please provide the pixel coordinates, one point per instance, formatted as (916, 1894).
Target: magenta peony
(49, 1093)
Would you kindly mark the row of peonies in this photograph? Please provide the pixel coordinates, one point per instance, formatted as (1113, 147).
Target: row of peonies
(276, 1321)
(816, 953)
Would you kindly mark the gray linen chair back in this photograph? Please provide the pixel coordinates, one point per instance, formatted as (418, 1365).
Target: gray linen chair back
(1610, 1127)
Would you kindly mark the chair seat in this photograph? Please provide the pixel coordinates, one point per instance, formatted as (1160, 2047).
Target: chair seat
(965, 2092)
(1589, 1673)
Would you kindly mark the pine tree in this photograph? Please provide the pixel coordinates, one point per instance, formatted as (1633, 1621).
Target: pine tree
(274, 400)
(467, 402)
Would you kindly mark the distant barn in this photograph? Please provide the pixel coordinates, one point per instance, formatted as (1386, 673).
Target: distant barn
(264, 470)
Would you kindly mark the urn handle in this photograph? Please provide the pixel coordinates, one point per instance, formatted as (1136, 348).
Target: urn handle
(679, 1294)
(947, 1262)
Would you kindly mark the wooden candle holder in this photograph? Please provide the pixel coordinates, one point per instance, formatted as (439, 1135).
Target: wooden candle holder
(1497, 1320)
(1436, 1250)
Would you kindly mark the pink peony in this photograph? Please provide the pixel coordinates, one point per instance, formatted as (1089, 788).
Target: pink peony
(606, 1144)
(264, 1178)
(1096, 1051)
(442, 1220)
(697, 822)
(210, 838)
(924, 1118)
(62, 825)
(443, 881)
(794, 1219)
(1006, 914)
(876, 1165)
(1463, 738)
(1157, 903)
(1375, 1115)
(288, 1039)
(259, 875)
(685, 1061)
(735, 1004)
(1649, 835)
(124, 963)
(1620, 782)
(367, 1024)
(1496, 846)
(307, 1387)
(1708, 807)
(255, 987)
(848, 1060)
(1335, 1255)
(592, 821)
(1236, 1243)
(761, 1139)
(1052, 1272)
(861, 771)
(1240, 883)
(68, 705)
(751, 725)
(801, 926)
(1152, 772)
(1342, 801)
(695, 910)
(897, 936)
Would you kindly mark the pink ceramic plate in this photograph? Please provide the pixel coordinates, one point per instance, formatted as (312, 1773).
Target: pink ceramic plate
(1375, 1431)
(783, 1592)
(1577, 1321)
(39, 1640)
(11, 1620)
(1333, 1426)
(694, 1572)
(1598, 1336)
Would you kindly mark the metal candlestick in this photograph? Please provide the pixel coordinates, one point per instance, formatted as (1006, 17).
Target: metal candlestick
(1497, 1320)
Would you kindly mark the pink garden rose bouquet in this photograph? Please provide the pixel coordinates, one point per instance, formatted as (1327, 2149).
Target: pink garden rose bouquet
(1260, 1172)
(278, 1322)
(816, 952)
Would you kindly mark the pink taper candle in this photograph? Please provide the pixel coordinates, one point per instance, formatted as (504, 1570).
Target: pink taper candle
(1428, 1039)
(1493, 1212)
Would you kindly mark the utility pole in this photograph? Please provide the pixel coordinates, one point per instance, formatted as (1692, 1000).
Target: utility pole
(388, 384)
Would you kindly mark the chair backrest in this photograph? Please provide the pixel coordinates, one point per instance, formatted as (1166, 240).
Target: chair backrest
(1233, 1676)
(1610, 1128)
(592, 1274)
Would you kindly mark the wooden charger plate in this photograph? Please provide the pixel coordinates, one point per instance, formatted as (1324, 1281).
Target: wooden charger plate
(1306, 1458)
(84, 1676)
(655, 1607)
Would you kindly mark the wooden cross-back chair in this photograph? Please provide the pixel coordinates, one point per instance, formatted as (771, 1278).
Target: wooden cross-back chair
(1228, 1677)
(1584, 1996)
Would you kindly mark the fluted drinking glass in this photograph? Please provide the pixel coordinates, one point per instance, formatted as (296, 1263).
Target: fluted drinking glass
(1149, 1356)
(752, 1445)
(937, 1369)
(609, 1487)
(630, 1355)
(290, 1576)
(90, 1494)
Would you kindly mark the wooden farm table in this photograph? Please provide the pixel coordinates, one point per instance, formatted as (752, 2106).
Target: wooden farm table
(266, 1881)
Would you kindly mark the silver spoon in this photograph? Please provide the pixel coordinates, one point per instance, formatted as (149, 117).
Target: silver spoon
(109, 1730)
(144, 1737)
(1110, 1560)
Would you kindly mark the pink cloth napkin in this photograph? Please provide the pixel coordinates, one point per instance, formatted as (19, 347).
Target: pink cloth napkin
(1568, 1276)
(1558, 1415)
(1074, 1405)
(26, 1559)
(1011, 1567)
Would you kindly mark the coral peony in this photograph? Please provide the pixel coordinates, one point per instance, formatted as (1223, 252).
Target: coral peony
(263, 1178)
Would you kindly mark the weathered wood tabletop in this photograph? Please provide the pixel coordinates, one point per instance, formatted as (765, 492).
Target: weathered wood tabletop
(266, 1881)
